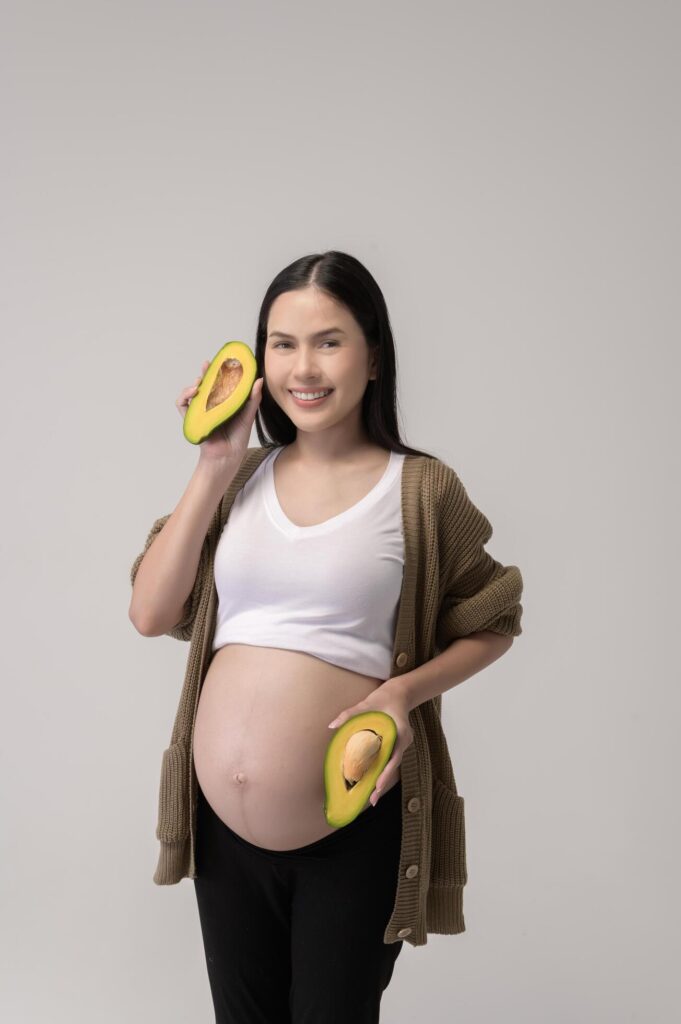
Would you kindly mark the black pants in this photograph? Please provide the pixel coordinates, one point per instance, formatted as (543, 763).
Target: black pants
(296, 936)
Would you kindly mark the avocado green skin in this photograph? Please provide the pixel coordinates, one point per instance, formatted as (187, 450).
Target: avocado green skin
(244, 393)
(356, 803)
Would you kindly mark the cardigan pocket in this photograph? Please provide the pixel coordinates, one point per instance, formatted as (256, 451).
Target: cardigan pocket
(173, 797)
(448, 847)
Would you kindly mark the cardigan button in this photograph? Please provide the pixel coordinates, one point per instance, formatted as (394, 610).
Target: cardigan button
(412, 870)
(414, 804)
(401, 658)
(403, 932)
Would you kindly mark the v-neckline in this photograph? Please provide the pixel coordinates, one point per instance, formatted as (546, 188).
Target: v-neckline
(292, 529)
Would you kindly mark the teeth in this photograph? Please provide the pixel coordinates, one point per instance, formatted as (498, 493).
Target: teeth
(309, 397)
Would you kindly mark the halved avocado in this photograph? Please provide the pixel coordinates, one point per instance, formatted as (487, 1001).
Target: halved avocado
(225, 388)
(355, 757)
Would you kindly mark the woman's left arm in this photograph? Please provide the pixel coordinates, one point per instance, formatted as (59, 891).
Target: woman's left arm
(461, 660)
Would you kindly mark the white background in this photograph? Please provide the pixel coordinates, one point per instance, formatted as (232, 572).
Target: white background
(509, 173)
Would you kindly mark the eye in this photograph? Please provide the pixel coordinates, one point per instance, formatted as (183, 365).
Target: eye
(287, 343)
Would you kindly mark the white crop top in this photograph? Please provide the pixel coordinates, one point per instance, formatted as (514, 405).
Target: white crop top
(331, 590)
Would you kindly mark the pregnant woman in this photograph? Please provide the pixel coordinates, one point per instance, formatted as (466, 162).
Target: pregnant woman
(309, 572)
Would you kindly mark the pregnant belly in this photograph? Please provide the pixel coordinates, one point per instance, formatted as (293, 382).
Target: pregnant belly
(260, 736)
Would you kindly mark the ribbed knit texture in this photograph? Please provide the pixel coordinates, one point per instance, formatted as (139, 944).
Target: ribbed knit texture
(451, 587)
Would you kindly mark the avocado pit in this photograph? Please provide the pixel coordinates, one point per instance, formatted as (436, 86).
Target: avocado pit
(361, 752)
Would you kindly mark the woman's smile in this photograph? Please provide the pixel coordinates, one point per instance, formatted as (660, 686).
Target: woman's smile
(311, 401)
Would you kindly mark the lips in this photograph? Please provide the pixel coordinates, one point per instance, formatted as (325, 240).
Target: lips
(310, 403)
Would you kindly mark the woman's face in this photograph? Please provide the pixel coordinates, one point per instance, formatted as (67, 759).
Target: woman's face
(339, 359)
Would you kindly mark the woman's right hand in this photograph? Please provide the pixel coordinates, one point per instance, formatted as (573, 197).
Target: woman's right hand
(228, 442)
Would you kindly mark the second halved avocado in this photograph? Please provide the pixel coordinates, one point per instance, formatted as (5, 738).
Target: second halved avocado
(355, 757)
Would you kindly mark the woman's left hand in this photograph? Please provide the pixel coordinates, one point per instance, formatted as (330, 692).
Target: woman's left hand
(395, 705)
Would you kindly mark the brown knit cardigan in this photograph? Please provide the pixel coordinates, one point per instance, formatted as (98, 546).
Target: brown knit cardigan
(451, 587)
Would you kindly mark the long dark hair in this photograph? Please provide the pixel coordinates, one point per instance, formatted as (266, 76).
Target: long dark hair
(347, 281)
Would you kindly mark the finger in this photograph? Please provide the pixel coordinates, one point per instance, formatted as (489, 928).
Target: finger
(378, 789)
(344, 715)
(384, 778)
(185, 397)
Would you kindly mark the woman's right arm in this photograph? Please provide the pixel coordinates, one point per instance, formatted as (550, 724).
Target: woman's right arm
(164, 574)
(167, 576)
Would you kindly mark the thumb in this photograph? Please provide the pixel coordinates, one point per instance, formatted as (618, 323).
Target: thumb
(340, 718)
(253, 403)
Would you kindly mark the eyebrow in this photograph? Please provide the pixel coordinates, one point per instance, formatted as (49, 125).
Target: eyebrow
(319, 334)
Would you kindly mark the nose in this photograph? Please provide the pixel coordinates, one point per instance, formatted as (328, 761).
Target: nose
(305, 368)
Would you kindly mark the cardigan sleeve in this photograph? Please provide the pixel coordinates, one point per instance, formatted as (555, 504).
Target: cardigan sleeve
(184, 628)
(478, 592)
